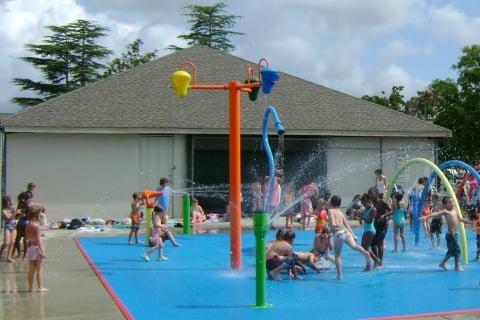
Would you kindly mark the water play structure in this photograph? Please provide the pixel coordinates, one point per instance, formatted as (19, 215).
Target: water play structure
(261, 218)
(268, 76)
(416, 212)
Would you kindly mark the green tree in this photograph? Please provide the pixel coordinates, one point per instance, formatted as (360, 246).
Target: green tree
(87, 52)
(453, 104)
(210, 26)
(129, 59)
(395, 100)
(67, 59)
(438, 97)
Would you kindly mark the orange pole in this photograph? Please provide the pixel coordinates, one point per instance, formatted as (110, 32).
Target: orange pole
(235, 176)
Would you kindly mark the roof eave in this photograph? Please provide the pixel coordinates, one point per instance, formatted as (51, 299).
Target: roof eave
(223, 131)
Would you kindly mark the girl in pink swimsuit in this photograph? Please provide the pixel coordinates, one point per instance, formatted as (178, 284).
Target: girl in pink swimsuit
(156, 236)
(35, 251)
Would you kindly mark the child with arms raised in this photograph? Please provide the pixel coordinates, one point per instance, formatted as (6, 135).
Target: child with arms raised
(453, 218)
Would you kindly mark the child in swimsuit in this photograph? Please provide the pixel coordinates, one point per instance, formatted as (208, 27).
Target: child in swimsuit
(453, 218)
(155, 237)
(9, 226)
(35, 254)
(322, 244)
(135, 216)
(367, 216)
(343, 234)
(399, 214)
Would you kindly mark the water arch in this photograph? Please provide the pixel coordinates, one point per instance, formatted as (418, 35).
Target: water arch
(450, 192)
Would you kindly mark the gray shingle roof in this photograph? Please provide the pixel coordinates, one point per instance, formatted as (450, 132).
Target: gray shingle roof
(141, 100)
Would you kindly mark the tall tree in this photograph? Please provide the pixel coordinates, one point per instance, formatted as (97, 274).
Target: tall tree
(88, 53)
(210, 26)
(129, 59)
(67, 59)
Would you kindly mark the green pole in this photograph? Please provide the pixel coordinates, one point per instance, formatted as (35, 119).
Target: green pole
(260, 228)
(148, 225)
(186, 214)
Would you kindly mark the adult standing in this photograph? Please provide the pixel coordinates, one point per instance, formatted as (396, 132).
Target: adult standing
(164, 200)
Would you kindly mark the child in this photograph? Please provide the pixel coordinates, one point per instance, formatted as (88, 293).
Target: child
(321, 215)
(289, 199)
(367, 216)
(380, 182)
(426, 211)
(381, 227)
(156, 238)
(198, 216)
(280, 257)
(436, 224)
(308, 191)
(399, 215)
(35, 251)
(9, 224)
(257, 196)
(22, 221)
(354, 207)
(322, 243)
(453, 218)
(476, 223)
(164, 232)
(342, 233)
(135, 216)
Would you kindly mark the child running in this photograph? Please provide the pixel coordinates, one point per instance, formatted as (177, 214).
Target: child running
(453, 218)
(158, 232)
(35, 251)
(135, 216)
(399, 216)
(342, 233)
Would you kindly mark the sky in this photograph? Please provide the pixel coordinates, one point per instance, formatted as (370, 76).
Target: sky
(354, 46)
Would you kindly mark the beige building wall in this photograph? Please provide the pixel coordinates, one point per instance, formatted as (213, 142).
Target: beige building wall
(351, 162)
(92, 174)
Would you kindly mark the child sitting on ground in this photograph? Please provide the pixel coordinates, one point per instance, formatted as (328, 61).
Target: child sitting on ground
(280, 257)
(198, 216)
(322, 244)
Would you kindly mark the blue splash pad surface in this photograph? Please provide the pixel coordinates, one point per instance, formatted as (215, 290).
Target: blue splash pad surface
(196, 282)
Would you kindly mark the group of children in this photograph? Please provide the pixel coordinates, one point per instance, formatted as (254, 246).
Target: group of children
(374, 213)
(25, 223)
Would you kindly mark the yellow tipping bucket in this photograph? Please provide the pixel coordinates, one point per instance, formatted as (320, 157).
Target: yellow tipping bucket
(181, 82)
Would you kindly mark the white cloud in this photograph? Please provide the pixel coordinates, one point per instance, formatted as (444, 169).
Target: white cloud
(450, 24)
(360, 47)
